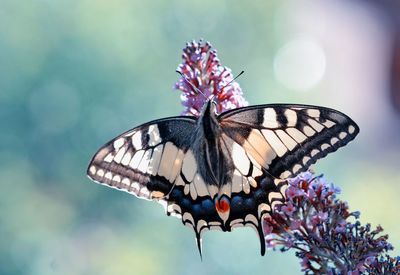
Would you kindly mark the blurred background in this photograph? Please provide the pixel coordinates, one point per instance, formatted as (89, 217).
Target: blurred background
(74, 74)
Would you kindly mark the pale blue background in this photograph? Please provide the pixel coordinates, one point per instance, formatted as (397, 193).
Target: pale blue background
(74, 74)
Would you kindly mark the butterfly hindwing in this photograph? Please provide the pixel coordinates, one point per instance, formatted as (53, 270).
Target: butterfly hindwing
(146, 160)
(250, 199)
(286, 139)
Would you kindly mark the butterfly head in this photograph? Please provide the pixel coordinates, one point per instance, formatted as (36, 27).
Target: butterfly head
(211, 106)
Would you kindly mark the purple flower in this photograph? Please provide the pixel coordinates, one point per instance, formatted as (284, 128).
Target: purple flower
(305, 263)
(341, 227)
(370, 260)
(288, 209)
(289, 243)
(311, 194)
(330, 189)
(315, 223)
(295, 224)
(267, 229)
(356, 214)
(202, 69)
(319, 218)
(270, 241)
(384, 265)
(292, 192)
(306, 176)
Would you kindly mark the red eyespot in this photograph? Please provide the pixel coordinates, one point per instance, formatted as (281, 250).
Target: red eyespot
(222, 205)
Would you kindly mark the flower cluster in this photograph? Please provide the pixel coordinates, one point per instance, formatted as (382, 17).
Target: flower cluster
(319, 227)
(203, 77)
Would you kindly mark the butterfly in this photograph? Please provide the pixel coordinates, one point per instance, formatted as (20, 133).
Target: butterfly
(221, 171)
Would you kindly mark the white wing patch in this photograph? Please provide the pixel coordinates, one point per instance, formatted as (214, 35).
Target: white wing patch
(244, 161)
(314, 113)
(155, 160)
(200, 186)
(118, 157)
(240, 159)
(118, 143)
(126, 159)
(296, 135)
(144, 163)
(176, 165)
(289, 142)
(270, 119)
(291, 116)
(237, 182)
(137, 140)
(308, 131)
(154, 135)
(258, 148)
(279, 148)
(189, 166)
(135, 161)
(318, 127)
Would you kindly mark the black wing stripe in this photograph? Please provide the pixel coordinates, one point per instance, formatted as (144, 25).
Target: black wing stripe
(282, 119)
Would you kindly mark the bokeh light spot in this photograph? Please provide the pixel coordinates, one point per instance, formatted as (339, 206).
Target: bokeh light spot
(300, 64)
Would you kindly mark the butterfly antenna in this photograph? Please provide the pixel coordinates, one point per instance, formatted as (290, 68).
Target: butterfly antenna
(242, 72)
(192, 85)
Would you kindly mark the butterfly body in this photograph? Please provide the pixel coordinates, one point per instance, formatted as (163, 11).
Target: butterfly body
(221, 171)
(207, 147)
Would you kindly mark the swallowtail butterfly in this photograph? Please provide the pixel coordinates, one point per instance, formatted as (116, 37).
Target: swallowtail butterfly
(221, 171)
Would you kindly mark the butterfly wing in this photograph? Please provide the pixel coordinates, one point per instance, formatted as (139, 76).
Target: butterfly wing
(155, 161)
(286, 139)
(146, 160)
(270, 143)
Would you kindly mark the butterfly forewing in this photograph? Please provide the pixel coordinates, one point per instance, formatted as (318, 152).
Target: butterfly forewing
(146, 160)
(286, 139)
